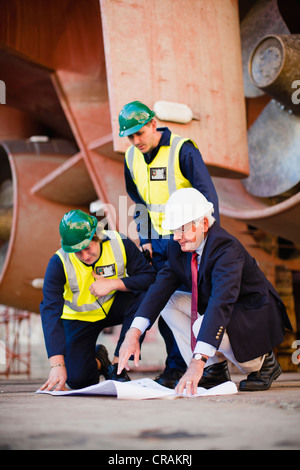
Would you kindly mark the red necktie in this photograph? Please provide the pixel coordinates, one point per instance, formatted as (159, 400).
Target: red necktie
(194, 313)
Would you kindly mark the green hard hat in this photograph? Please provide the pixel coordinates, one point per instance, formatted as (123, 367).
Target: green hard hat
(77, 230)
(133, 117)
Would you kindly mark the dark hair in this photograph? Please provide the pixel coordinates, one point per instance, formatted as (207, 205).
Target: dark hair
(96, 238)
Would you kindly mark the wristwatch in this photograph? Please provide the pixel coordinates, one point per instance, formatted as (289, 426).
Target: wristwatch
(199, 357)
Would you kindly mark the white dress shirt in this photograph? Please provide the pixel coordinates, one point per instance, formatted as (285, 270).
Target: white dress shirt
(204, 348)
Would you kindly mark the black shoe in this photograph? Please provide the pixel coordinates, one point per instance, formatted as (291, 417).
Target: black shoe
(214, 375)
(102, 356)
(263, 378)
(169, 377)
(112, 374)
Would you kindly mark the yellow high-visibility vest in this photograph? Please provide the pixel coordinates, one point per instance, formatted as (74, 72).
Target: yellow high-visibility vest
(79, 303)
(157, 181)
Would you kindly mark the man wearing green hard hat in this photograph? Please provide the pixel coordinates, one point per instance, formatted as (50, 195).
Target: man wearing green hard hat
(133, 117)
(97, 279)
(158, 163)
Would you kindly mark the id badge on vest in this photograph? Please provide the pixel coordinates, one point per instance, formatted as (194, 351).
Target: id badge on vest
(106, 271)
(158, 174)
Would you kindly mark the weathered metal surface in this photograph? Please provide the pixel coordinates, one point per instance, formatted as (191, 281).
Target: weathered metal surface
(5, 223)
(281, 219)
(34, 233)
(30, 90)
(59, 35)
(70, 183)
(17, 124)
(274, 152)
(264, 18)
(274, 68)
(89, 118)
(184, 52)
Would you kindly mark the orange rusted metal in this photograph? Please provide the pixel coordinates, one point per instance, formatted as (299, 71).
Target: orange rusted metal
(186, 53)
(17, 356)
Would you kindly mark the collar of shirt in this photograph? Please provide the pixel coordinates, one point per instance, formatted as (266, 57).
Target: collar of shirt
(200, 249)
(165, 140)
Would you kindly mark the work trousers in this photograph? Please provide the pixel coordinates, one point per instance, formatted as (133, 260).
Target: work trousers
(81, 338)
(177, 315)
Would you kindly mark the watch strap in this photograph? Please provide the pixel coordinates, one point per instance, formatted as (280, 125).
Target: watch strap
(199, 357)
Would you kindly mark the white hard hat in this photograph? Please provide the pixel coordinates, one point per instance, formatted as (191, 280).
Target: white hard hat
(184, 206)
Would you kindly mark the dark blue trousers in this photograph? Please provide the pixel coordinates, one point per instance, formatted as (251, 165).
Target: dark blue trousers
(81, 338)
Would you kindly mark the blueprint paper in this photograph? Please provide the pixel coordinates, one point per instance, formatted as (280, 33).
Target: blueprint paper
(141, 389)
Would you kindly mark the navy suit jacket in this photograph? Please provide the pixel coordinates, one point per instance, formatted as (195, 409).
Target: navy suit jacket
(233, 293)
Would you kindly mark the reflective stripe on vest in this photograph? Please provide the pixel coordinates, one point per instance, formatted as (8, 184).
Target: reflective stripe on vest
(167, 158)
(112, 263)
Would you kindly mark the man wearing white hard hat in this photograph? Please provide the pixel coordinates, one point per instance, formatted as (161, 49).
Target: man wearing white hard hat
(238, 311)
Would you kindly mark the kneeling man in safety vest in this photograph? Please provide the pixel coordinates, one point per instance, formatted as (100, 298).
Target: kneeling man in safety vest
(96, 280)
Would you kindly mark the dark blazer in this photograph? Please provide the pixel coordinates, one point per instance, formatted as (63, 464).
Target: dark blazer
(233, 293)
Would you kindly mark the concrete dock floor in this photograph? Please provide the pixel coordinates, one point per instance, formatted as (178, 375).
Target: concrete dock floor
(245, 421)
